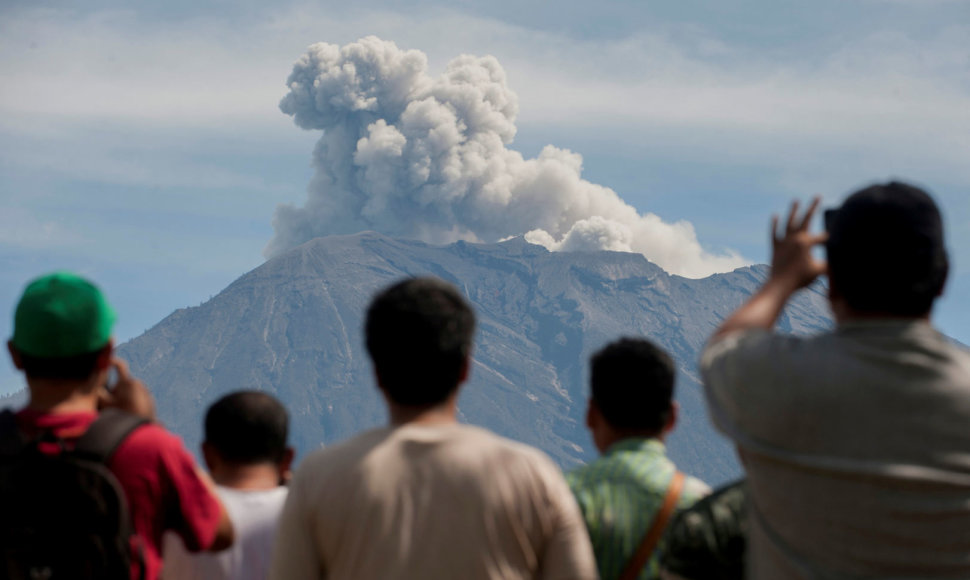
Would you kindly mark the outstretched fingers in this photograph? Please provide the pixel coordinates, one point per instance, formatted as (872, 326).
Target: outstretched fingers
(809, 213)
(792, 217)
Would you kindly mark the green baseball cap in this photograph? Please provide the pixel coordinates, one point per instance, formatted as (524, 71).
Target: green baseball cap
(62, 315)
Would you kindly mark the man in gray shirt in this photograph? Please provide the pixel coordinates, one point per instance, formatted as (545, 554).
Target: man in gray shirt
(857, 441)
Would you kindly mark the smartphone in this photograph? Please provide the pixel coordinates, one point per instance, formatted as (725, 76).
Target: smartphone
(112, 380)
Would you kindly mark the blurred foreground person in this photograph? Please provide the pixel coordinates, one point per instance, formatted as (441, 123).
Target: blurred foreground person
(246, 452)
(628, 494)
(856, 441)
(62, 514)
(428, 498)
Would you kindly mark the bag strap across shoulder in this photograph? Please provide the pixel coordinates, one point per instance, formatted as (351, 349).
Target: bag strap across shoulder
(656, 529)
(106, 433)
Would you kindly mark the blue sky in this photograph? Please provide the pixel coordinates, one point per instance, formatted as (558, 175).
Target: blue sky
(143, 144)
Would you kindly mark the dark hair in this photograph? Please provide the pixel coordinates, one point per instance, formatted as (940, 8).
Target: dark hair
(885, 250)
(632, 383)
(247, 427)
(419, 336)
(76, 367)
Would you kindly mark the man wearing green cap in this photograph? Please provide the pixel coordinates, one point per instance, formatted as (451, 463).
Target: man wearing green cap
(62, 341)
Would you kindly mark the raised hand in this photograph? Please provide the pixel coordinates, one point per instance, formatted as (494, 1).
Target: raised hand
(128, 394)
(792, 263)
(792, 267)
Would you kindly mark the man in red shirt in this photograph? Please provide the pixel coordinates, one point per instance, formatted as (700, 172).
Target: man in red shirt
(62, 342)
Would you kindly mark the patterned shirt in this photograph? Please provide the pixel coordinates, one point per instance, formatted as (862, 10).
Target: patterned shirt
(619, 495)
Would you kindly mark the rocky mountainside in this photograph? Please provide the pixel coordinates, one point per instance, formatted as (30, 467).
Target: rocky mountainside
(293, 327)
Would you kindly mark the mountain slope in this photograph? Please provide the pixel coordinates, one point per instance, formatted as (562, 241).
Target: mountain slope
(293, 327)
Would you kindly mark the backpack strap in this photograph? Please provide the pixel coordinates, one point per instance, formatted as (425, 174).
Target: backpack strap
(100, 442)
(106, 433)
(656, 529)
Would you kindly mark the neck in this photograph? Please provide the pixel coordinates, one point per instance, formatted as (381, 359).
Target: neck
(60, 396)
(613, 437)
(843, 315)
(443, 413)
(842, 312)
(252, 477)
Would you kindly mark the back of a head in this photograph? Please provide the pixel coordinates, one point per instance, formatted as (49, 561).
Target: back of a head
(632, 384)
(247, 427)
(886, 253)
(419, 336)
(62, 324)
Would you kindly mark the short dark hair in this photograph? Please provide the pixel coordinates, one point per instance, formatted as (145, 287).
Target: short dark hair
(76, 367)
(247, 427)
(885, 250)
(419, 336)
(632, 384)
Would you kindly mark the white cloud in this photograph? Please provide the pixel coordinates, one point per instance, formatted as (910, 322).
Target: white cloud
(877, 88)
(412, 155)
(870, 100)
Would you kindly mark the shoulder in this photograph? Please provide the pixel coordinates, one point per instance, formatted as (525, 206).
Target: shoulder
(495, 448)
(759, 356)
(594, 471)
(151, 448)
(495, 461)
(694, 490)
(754, 342)
(337, 460)
(152, 439)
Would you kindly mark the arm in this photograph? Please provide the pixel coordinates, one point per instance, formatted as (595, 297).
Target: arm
(225, 533)
(568, 552)
(792, 268)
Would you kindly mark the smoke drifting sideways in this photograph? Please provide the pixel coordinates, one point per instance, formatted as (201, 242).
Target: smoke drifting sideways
(413, 156)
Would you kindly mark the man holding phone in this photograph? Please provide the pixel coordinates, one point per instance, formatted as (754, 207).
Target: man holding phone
(62, 342)
(855, 441)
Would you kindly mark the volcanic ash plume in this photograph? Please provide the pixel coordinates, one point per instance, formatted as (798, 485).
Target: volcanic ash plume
(413, 156)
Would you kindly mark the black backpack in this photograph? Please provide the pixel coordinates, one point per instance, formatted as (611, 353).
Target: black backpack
(65, 516)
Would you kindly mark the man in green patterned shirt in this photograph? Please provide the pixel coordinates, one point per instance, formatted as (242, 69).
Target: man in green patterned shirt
(631, 410)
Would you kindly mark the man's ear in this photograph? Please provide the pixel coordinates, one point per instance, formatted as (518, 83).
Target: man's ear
(593, 415)
(833, 291)
(210, 455)
(672, 415)
(380, 384)
(836, 301)
(104, 356)
(285, 465)
(943, 278)
(15, 356)
(465, 369)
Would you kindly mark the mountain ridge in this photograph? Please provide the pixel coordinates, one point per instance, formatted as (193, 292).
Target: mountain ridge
(292, 326)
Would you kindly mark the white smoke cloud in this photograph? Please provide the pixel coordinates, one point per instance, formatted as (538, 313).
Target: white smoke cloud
(409, 155)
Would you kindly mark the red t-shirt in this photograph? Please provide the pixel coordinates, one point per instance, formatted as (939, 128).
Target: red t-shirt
(159, 479)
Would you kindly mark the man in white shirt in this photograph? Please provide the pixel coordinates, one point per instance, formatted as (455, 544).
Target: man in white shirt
(246, 452)
(427, 498)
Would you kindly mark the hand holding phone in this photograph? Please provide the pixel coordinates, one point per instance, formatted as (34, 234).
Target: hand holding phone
(125, 392)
